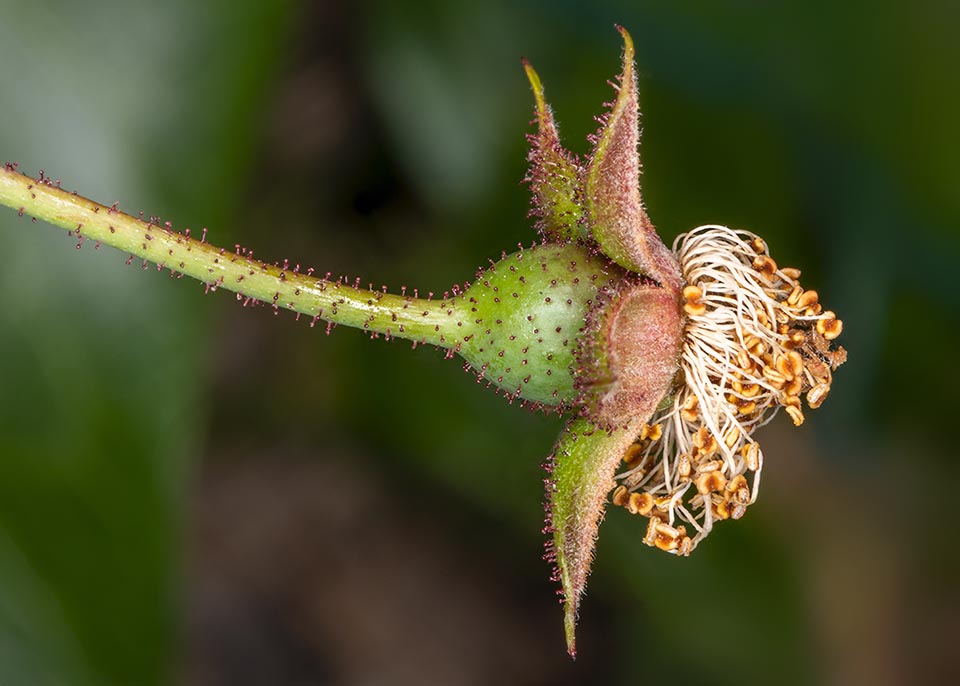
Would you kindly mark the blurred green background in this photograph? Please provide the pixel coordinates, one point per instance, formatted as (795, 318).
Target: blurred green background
(196, 493)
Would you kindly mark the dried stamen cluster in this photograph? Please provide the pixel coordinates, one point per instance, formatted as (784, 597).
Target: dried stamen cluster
(754, 342)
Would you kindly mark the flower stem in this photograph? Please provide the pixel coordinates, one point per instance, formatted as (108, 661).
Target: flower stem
(280, 285)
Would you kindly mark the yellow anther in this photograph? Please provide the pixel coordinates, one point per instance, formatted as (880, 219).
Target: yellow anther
(765, 265)
(782, 366)
(634, 454)
(817, 395)
(711, 466)
(705, 441)
(689, 410)
(794, 296)
(751, 456)
(808, 299)
(666, 537)
(620, 495)
(792, 405)
(640, 503)
(738, 489)
(683, 467)
(650, 537)
(829, 326)
(774, 377)
(790, 365)
(710, 482)
(795, 361)
(794, 387)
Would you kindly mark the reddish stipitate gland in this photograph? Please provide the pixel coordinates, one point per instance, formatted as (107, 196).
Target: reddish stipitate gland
(665, 360)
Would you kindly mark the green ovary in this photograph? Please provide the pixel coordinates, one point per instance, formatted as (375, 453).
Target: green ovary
(524, 316)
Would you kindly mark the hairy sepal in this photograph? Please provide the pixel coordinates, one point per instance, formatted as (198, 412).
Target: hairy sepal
(554, 175)
(583, 466)
(615, 213)
(629, 358)
(629, 363)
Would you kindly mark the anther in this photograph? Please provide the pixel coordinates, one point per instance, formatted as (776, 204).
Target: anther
(620, 495)
(739, 489)
(633, 455)
(794, 387)
(829, 326)
(784, 367)
(794, 296)
(666, 537)
(650, 538)
(790, 272)
(733, 434)
(640, 503)
(817, 395)
(774, 377)
(737, 511)
(765, 265)
(795, 363)
(710, 482)
(707, 467)
(683, 467)
(808, 299)
(792, 405)
(689, 410)
(751, 456)
(705, 441)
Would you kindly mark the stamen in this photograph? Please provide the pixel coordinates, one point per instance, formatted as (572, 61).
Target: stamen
(753, 342)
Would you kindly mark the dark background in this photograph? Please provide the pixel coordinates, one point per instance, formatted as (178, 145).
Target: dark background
(196, 493)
